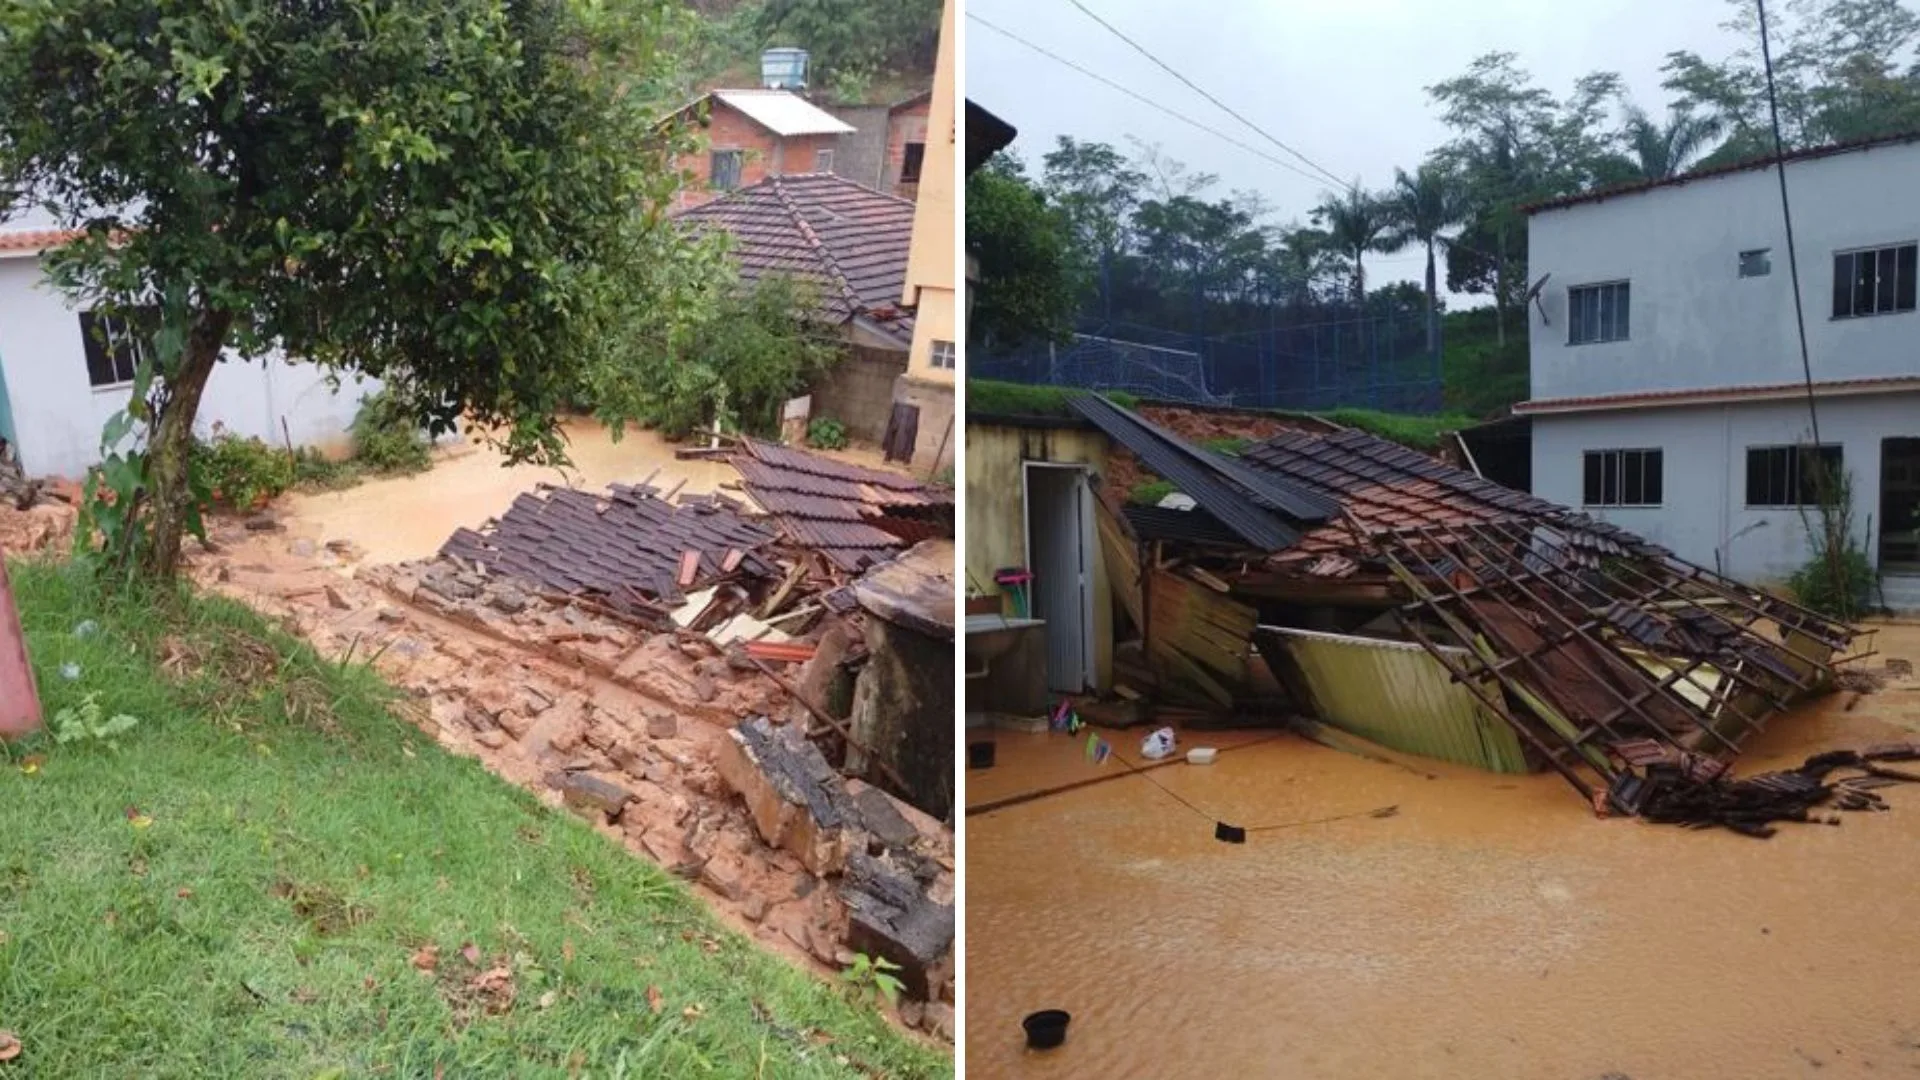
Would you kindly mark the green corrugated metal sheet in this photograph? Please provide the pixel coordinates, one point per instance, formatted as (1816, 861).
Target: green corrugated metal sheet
(1395, 694)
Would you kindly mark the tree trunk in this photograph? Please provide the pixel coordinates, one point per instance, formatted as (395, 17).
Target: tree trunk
(172, 441)
(1500, 294)
(1433, 301)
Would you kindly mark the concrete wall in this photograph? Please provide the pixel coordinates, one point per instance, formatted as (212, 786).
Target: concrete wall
(862, 156)
(1694, 322)
(931, 261)
(858, 391)
(1704, 473)
(934, 439)
(766, 154)
(996, 512)
(57, 415)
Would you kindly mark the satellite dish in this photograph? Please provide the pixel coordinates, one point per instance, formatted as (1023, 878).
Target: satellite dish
(1533, 295)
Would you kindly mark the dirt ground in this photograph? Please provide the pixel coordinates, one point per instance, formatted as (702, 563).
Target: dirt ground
(1491, 926)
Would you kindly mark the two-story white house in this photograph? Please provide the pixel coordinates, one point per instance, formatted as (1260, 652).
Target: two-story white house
(1668, 393)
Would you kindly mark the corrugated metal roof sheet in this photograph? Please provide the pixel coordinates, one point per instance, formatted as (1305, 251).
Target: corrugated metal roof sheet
(785, 113)
(1398, 695)
(1193, 526)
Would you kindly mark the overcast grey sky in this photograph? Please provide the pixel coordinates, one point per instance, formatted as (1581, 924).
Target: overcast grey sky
(1342, 81)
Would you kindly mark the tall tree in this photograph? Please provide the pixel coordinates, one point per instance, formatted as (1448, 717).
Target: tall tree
(1663, 150)
(1357, 223)
(1424, 206)
(452, 197)
(1028, 288)
(1096, 189)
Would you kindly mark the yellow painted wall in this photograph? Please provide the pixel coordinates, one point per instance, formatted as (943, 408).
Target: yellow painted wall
(931, 259)
(996, 512)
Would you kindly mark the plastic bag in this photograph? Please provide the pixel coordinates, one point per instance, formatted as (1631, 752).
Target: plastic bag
(1157, 745)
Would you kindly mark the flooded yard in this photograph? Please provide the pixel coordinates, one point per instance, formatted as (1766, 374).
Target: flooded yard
(1490, 927)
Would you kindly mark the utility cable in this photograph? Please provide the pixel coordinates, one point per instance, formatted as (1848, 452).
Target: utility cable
(1144, 100)
(1236, 834)
(1196, 88)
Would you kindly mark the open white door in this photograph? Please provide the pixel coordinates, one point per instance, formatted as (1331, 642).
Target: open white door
(1059, 502)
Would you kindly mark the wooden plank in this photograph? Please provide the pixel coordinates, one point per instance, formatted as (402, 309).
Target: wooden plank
(792, 652)
(1123, 563)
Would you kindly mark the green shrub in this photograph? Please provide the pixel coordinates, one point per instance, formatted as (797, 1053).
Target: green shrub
(1150, 492)
(313, 469)
(387, 439)
(243, 473)
(826, 433)
(1230, 445)
(1837, 577)
(987, 397)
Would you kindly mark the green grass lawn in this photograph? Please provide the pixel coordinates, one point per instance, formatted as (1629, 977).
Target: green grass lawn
(251, 882)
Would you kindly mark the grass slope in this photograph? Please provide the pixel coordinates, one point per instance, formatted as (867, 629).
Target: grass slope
(241, 887)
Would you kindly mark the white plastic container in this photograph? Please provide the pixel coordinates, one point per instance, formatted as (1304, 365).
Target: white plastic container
(1201, 755)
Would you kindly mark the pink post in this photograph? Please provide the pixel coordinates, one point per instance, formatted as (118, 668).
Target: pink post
(19, 701)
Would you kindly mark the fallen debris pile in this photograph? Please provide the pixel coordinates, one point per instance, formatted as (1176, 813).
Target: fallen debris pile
(854, 517)
(34, 514)
(1670, 794)
(1575, 639)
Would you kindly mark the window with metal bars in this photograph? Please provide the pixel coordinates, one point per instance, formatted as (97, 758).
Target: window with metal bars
(1623, 478)
(1791, 475)
(115, 345)
(1874, 281)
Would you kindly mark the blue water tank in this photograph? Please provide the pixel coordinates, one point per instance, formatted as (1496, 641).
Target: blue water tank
(783, 69)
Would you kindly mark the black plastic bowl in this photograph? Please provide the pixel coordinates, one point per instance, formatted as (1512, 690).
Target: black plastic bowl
(1046, 1029)
(980, 755)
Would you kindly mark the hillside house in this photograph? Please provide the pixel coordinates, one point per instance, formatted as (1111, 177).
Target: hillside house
(887, 149)
(64, 371)
(755, 134)
(1668, 394)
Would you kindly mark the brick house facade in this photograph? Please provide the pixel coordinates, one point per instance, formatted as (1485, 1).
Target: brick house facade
(743, 149)
(906, 145)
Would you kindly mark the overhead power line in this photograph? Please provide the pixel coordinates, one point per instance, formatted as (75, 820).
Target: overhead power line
(1144, 100)
(1196, 88)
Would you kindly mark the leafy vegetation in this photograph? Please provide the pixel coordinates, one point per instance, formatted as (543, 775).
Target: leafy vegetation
(1150, 492)
(1837, 578)
(826, 433)
(243, 472)
(265, 174)
(1418, 432)
(732, 354)
(849, 42)
(387, 437)
(1028, 289)
(988, 397)
(1231, 445)
(873, 977)
(275, 877)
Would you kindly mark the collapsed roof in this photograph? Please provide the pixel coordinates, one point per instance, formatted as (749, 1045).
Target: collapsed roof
(1606, 654)
(854, 516)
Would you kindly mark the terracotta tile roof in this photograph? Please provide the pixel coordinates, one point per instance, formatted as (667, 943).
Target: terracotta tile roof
(34, 239)
(1810, 153)
(856, 517)
(618, 546)
(1768, 391)
(849, 240)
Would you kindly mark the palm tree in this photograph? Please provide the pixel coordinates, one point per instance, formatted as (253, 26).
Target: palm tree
(1357, 222)
(1424, 205)
(1664, 151)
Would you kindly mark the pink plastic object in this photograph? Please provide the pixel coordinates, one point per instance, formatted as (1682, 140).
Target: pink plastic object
(19, 701)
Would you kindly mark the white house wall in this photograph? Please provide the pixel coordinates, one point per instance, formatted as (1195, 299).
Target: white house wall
(1704, 473)
(1694, 322)
(57, 415)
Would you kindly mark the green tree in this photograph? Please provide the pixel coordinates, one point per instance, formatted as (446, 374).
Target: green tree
(1424, 206)
(1096, 190)
(856, 38)
(1663, 150)
(1357, 223)
(448, 196)
(732, 354)
(1029, 287)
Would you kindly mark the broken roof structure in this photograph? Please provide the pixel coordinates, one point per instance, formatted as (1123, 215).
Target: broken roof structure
(848, 241)
(1604, 654)
(853, 516)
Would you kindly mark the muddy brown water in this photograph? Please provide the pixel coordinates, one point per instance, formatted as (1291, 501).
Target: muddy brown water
(1491, 928)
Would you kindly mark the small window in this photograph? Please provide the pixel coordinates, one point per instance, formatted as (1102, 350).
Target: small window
(1790, 475)
(114, 345)
(941, 355)
(1622, 478)
(1756, 263)
(910, 162)
(1876, 281)
(724, 173)
(823, 161)
(1597, 313)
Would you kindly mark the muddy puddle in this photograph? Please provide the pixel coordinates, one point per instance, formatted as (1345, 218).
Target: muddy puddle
(1489, 927)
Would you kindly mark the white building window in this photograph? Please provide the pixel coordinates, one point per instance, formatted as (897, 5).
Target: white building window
(1622, 478)
(1791, 475)
(941, 355)
(724, 173)
(1874, 281)
(114, 348)
(823, 161)
(1597, 313)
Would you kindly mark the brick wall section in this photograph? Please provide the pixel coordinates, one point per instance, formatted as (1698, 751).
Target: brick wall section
(766, 153)
(858, 391)
(904, 125)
